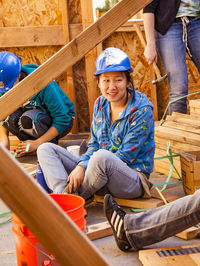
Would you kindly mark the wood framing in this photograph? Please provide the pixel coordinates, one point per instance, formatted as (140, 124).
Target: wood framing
(54, 229)
(32, 36)
(69, 55)
(70, 80)
(90, 58)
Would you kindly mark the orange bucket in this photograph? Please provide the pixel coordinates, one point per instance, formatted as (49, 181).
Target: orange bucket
(28, 249)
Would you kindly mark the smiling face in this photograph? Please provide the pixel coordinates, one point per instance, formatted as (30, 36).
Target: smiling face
(113, 87)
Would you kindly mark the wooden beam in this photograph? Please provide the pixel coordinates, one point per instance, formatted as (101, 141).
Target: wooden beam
(69, 55)
(54, 229)
(90, 58)
(32, 36)
(96, 231)
(177, 135)
(69, 74)
(140, 203)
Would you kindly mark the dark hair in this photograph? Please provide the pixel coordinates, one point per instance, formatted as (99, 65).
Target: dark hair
(22, 75)
(129, 78)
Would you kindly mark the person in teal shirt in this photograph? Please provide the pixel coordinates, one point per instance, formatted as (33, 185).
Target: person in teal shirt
(46, 117)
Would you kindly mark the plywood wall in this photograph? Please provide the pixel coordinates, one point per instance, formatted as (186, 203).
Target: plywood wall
(32, 13)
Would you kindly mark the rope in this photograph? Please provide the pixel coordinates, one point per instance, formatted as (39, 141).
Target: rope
(179, 98)
(5, 214)
(169, 156)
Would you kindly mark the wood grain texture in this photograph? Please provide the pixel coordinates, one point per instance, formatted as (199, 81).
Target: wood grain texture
(54, 229)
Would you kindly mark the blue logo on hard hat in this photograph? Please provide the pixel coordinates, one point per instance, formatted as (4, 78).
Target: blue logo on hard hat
(112, 59)
(10, 68)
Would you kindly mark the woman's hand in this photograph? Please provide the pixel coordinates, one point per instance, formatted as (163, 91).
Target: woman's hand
(75, 178)
(151, 54)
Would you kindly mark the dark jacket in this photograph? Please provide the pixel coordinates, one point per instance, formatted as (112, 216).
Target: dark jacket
(54, 101)
(165, 13)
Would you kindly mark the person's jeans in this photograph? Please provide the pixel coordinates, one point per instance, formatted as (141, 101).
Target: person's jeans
(104, 170)
(162, 222)
(31, 124)
(172, 50)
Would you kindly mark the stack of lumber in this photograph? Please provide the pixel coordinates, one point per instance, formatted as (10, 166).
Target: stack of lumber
(183, 132)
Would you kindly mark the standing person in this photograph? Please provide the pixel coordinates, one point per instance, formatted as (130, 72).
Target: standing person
(173, 26)
(47, 116)
(120, 152)
(136, 231)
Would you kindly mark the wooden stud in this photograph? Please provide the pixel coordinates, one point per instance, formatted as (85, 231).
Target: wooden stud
(69, 55)
(177, 135)
(53, 228)
(189, 233)
(134, 203)
(69, 74)
(32, 36)
(99, 230)
(90, 58)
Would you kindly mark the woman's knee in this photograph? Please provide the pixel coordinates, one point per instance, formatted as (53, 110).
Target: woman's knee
(102, 155)
(101, 158)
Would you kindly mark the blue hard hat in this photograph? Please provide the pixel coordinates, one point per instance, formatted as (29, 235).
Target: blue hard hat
(112, 59)
(10, 68)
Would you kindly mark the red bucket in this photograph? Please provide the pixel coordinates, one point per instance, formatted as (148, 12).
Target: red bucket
(28, 248)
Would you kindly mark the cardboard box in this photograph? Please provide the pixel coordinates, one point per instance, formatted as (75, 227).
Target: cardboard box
(190, 170)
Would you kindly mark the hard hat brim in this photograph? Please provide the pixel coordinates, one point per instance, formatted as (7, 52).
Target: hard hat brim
(113, 69)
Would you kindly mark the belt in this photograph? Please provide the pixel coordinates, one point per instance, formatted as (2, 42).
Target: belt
(188, 17)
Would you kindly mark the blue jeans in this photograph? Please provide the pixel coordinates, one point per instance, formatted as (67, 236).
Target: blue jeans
(172, 50)
(105, 172)
(162, 222)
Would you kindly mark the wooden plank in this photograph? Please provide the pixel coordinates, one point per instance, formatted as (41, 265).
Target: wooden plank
(140, 203)
(47, 221)
(182, 126)
(176, 146)
(75, 29)
(69, 55)
(151, 258)
(90, 58)
(194, 110)
(194, 103)
(99, 230)
(165, 171)
(190, 233)
(164, 167)
(178, 135)
(184, 120)
(69, 73)
(32, 36)
(162, 152)
(180, 115)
